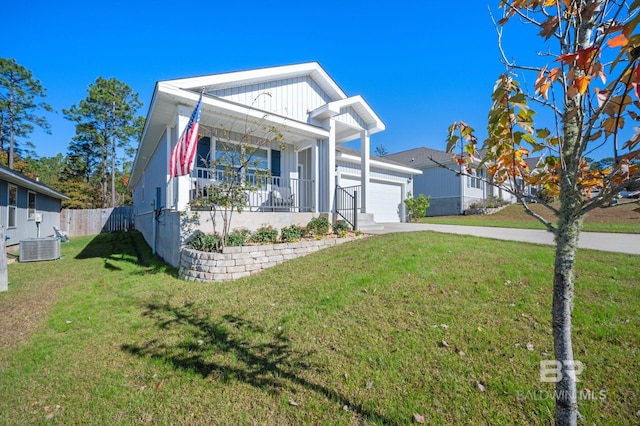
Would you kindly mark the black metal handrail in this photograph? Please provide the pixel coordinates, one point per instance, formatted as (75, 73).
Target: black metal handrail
(347, 204)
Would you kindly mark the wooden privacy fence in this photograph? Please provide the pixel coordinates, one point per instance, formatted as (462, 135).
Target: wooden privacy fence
(94, 221)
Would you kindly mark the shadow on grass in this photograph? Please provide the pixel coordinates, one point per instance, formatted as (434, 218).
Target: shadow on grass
(128, 246)
(234, 349)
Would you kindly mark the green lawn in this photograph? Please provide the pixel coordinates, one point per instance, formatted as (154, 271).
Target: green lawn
(621, 219)
(369, 332)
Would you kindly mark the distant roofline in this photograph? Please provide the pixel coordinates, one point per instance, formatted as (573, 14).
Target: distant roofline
(18, 178)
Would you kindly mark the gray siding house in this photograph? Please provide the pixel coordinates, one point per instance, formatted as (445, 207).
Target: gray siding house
(28, 209)
(451, 193)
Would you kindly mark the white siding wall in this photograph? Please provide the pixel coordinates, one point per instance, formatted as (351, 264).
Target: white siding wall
(350, 117)
(293, 97)
(154, 175)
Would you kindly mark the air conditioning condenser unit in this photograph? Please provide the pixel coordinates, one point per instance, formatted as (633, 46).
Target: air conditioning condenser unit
(36, 249)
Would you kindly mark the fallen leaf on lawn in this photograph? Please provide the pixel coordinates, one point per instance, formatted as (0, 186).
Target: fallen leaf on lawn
(46, 408)
(49, 416)
(69, 322)
(479, 328)
(481, 387)
(418, 418)
(529, 346)
(292, 402)
(461, 353)
(444, 344)
(158, 386)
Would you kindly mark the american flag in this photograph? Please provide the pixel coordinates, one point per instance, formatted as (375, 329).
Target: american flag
(183, 154)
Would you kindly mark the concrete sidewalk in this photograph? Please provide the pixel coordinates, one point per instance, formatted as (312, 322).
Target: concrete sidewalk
(620, 243)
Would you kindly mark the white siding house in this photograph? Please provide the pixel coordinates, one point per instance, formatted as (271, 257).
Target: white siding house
(302, 103)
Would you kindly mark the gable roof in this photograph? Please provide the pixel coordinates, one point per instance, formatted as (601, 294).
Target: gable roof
(262, 75)
(420, 157)
(19, 179)
(226, 112)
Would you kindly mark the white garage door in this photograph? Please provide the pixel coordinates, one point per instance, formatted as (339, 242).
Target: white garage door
(385, 199)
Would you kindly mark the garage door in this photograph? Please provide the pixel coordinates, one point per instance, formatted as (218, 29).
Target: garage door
(385, 199)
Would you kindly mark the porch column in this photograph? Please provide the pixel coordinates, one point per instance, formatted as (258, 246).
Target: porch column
(315, 151)
(183, 185)
(331, 165)
(365, 146)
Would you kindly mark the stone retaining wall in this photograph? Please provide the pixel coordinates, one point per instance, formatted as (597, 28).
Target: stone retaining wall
(238, 262)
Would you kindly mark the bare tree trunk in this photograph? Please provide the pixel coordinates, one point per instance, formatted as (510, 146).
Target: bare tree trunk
(103, 177)
(566, 244)
(11, 132)
(569, 225)
(113, 174)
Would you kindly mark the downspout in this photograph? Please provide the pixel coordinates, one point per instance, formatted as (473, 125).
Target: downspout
(461, 191)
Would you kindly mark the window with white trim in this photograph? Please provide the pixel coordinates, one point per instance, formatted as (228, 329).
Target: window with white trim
(31, 205)
(474, 180)
(12, 206)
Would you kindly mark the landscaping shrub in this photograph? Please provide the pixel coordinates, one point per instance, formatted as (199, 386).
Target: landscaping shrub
(238, 237)
(292, 233)
(490, 203)
(204, 242)
(265, 235)
(318, 226)
(340, 228)
(417, 207)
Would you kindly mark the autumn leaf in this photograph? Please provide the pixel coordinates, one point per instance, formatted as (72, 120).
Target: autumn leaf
(418, 418)
(582, 83)
(618, 41)
(549, 27)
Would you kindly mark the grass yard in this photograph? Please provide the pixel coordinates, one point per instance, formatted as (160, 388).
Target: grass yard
(624, 218)
(452, 328)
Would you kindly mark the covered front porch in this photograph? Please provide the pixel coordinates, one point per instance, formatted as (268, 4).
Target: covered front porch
(287, 165)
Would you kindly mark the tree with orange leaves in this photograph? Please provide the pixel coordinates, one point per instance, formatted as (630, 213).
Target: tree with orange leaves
(592, 88)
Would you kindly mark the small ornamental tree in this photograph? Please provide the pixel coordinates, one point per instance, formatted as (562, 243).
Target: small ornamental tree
(235, 171)
(591, 87)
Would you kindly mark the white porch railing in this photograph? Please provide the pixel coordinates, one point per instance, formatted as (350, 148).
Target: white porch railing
(273, 193)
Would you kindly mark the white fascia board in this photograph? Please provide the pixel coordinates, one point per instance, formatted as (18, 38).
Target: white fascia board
(135, 175)
(358, 103)
(235, 78)
(379, 164)
(231, 108)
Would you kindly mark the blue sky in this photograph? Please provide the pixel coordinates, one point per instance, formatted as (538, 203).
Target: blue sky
(421, 65)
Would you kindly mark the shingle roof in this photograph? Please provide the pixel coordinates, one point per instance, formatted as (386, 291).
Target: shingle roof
(20, 179)
(420, 157)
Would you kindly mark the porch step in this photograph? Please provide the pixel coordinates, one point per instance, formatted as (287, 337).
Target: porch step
(366, 223)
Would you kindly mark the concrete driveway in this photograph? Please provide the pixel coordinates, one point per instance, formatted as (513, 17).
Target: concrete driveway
(620, 243)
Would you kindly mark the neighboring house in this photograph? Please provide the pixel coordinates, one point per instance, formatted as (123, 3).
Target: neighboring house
(451, 193)
(28, 209)
(315, 118)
